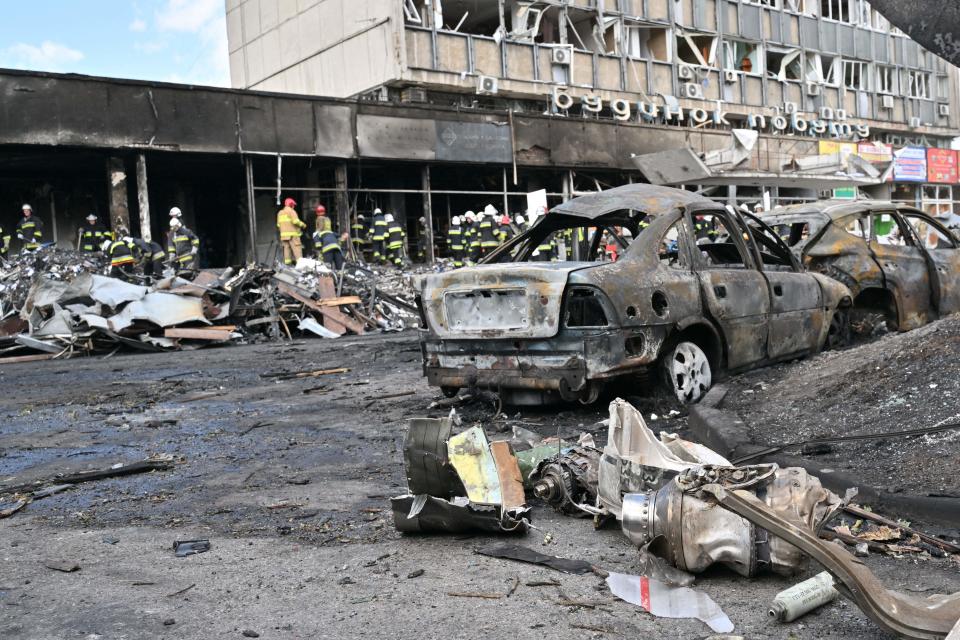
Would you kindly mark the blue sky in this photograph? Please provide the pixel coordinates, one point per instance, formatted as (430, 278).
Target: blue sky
(165, 40)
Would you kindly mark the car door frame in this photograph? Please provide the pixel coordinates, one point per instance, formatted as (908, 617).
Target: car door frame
(737, 300)
(797, 314)
(944, 269)
(901, 279)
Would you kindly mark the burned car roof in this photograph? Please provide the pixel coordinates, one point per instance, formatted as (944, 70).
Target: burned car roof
(834, 209)
(650, 199)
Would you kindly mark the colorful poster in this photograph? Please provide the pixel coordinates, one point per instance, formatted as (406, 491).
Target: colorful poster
(826, 147)
(875, 151)
(910, 164)
(942, 166)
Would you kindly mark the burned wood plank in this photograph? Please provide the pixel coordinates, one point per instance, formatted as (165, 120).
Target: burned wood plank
(142, 466)
(197, 334)
(32, 358)
(339, 319)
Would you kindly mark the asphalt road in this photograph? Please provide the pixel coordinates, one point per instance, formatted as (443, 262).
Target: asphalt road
(290, 481)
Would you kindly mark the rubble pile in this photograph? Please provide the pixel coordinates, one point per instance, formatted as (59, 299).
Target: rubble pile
(57, 304)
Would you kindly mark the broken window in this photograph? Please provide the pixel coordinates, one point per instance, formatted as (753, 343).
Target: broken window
(742, 56)
(821, 68)
(806, 7)
(886, 79)
(696, 49)
(773, 4)
(887, 230)
(855, 225)
(721, 250)
(943, 87)
(411, 13)
(879, 22)
(783, 64)
(836, 10)
(649, 43)
(671, 250)
(855, 75)
(918, 84)
(465, 16)
(531, 23)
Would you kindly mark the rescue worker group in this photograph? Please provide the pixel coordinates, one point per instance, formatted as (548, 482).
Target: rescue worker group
(382, 240)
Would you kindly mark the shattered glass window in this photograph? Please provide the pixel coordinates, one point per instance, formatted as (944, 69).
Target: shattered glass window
(721, 250)
(932, 235)
(887, 231)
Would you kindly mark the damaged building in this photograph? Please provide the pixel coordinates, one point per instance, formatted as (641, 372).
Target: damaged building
(449, 105)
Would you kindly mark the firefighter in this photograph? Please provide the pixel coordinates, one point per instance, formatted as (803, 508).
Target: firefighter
(704, 228)
(358, 233)
(545, 250)
(455, 241)
(471, 238)
(149, 255)
(422, 240)
(521, 224)
(4, 243)
(290, 227)
(30, 230)
(121, 257)
(323, 222)
(488, 230)
(90, 236)
(504, 230)
(182, 246)
(328, 245)
(378, 236)
(394, 240)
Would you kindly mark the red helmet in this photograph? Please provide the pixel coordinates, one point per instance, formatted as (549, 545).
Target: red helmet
(289, 202)
(321, 210)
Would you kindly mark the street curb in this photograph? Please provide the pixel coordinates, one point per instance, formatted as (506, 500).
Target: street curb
(725, 433)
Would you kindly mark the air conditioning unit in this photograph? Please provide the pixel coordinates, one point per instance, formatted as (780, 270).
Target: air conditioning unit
(840, 114)
(914, 122)
(886, 102)
(413, 94)
(562, 54)
(487, 85)
(730, 76)
(943, 109)
(691, 90)
(826, 113)
(685, 72)
(789, 107)
(813, 89)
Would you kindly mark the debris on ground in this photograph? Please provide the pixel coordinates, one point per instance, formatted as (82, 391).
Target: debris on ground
(679, 502)
(802, 598)
(185, 548)
(57, 304)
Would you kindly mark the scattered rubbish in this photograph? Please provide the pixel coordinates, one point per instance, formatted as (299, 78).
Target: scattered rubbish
(665, 601)
(168, 622)
(109, 540)
(465, 594)
(458, 483)
(185, 548)
(861, 550)
(415, 574)
(790, 604)
(181, 591)
(524, 554)
(44, 488)
(65, 566)
(249, 633)
(345, 580)
(7, 511)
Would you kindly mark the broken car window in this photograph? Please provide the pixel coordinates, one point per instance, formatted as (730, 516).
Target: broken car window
(722, 250)
(886, 230)
(671, 248)
(930, 233)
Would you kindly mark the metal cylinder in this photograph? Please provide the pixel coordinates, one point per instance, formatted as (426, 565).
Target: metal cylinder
(802, 598)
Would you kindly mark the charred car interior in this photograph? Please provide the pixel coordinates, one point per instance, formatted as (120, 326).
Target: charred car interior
(649, 279)
(902, 266)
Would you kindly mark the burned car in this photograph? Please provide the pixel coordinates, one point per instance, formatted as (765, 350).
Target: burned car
(651, 279)
(902, 266)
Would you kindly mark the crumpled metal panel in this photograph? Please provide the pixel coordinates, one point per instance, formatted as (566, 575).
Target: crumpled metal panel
(162, 309)
(470, 456)
(650, 199)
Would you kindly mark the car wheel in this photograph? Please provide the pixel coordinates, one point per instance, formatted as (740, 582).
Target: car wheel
(688, 373)
(839, 334)
(449, 392)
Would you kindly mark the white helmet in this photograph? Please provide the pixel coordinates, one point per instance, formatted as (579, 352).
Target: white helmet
(26, 207)
(92, 217)
(377, 211)
(469, 215)
(480, 215)
(490, 210)
(456, 220)
(175, 222)
(388, 217)
(519, 219)
(175, 212)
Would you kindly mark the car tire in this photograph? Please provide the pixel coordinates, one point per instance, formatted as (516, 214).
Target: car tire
(449, 392)
(687, 371)
(840, 332)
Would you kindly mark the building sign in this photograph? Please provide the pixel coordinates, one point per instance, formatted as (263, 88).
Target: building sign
(828, 147)
(942, 166)
(875, 151)
(781, 123)
(845, 193)
(473, 142)
(910, 164)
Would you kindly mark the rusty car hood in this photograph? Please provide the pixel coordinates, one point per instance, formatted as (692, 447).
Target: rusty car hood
(512, 300)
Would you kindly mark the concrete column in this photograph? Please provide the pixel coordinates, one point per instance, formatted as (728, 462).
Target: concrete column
(143, 198)
(117, 188)
(428, 214)
(343, 201)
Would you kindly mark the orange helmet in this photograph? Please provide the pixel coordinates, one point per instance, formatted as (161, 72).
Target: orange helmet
(289, 202)
(321, 210)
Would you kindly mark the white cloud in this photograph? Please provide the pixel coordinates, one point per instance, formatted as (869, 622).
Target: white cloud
(48, 56)
(138, 26)
(188, 15)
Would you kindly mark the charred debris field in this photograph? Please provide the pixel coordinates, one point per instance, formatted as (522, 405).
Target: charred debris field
(284, 456)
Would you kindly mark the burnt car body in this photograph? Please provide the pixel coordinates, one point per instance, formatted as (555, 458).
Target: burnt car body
(900, 264)
(693, 304)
